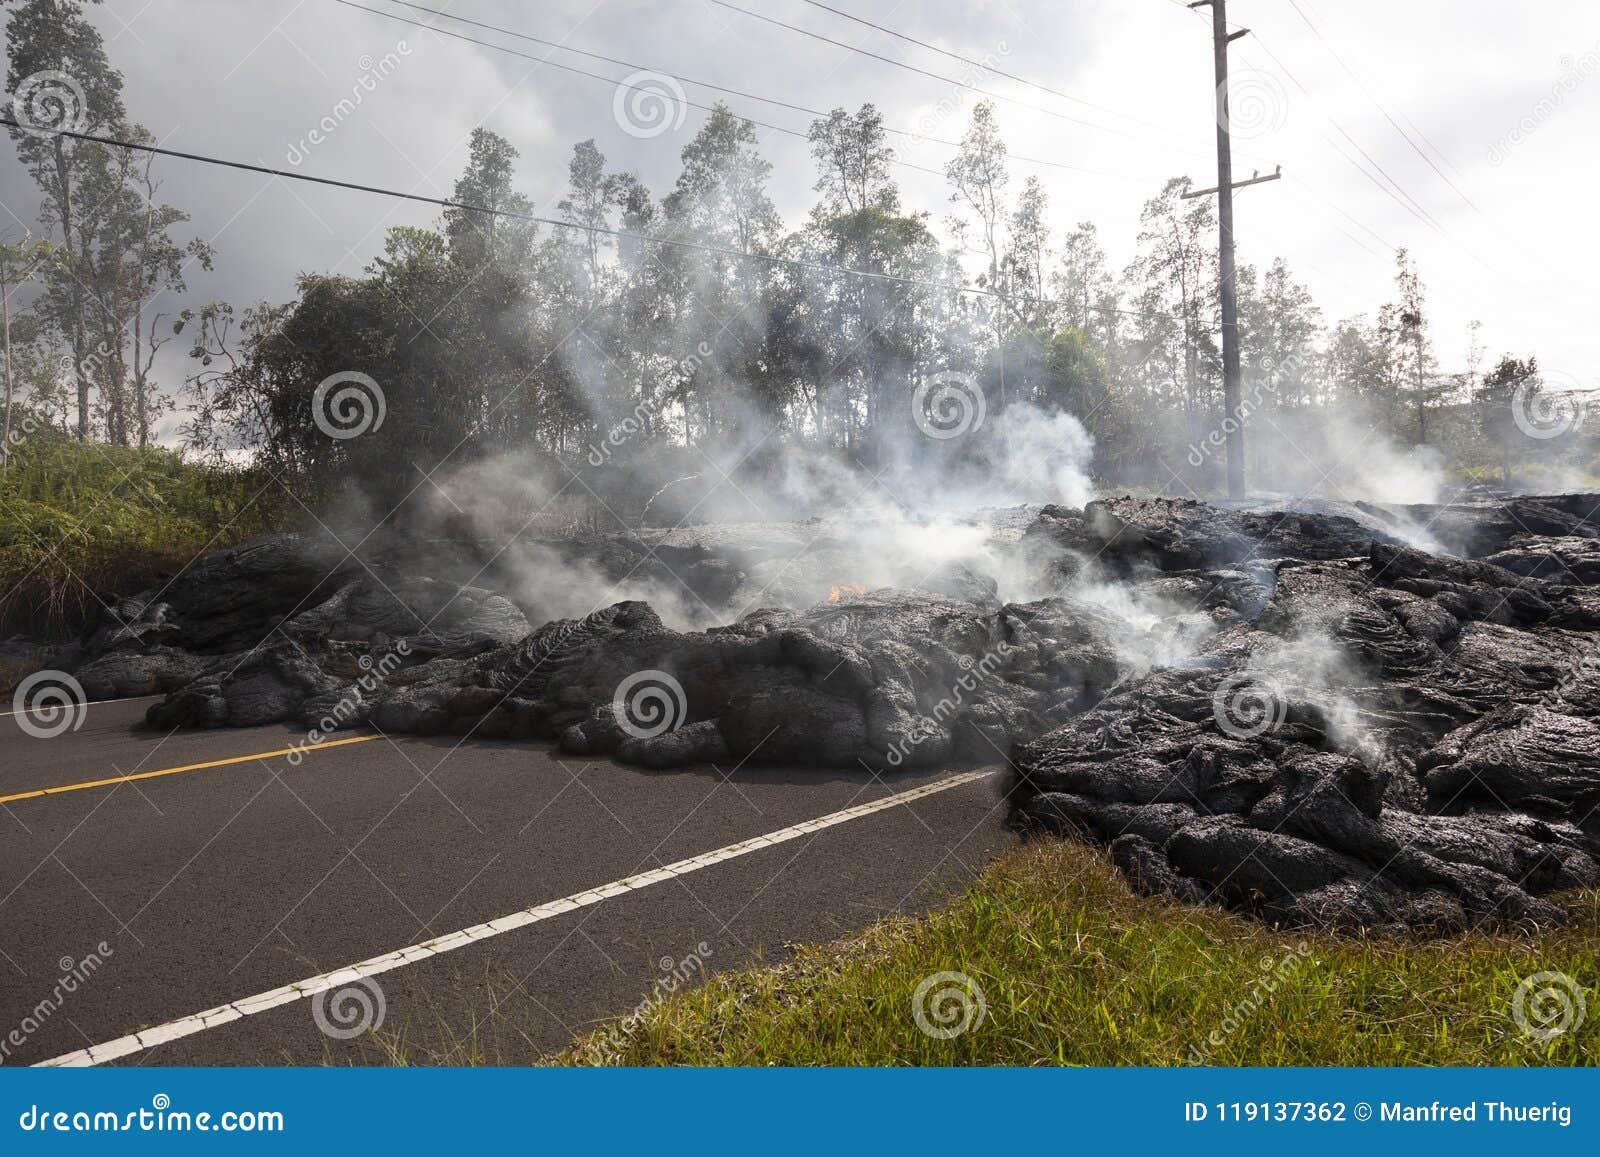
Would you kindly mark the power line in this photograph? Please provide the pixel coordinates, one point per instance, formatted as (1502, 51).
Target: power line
(139, 146)
(437, 31)
(1440, 229)
(1369, 95)
(812, 112)
(1359, 224)
(1393, 190)
(577, 52)
(1419, 134)
(1396, 193)
(1309, 188)
(783, 104)
(1418, 212)
(1405, 199)
(1449, 164)
(752, 96)
(558, 223)
(922, 71)
(987, 67)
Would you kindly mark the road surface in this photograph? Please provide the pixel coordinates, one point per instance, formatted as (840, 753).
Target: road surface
(216, 872)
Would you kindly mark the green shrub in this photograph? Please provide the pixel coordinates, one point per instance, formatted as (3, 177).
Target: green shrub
(82, 523)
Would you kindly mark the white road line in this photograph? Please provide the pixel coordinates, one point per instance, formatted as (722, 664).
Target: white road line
(289, 993)
(80, 707)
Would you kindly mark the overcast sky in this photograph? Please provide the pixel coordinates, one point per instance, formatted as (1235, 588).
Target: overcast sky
(1500, 216)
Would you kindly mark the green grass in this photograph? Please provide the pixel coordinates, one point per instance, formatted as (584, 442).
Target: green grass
(79, 521)
(1076, 969)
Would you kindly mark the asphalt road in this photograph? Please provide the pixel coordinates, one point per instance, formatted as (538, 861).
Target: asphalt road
(220, 883)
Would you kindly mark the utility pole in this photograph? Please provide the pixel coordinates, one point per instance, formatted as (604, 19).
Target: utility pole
(1234, 419)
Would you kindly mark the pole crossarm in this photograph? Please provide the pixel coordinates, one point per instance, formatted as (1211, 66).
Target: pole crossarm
(1277, 175)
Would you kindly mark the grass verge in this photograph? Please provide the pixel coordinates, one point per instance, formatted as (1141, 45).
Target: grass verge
(83, 522)
(1076, 969)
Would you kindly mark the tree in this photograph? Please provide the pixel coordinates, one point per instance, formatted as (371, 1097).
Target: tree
(53, 48)
(477, 237)
(138, 262)
(720, 200)
(234, 390)
(472, 284)
(979, 174)
(1407, 325)
(1176, 271)
(19, 264)
(591, 196)
(856, 343)
(1278, 323)
(721, 193)
(1028, 255)
(1081, 277)
(1510, 383)
(1358, 365)
(853, 161)
(851, 346)
(438, 323)
(117, 255)
(1052, 369)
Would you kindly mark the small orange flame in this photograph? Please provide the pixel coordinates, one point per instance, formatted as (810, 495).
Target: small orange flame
(839, 592)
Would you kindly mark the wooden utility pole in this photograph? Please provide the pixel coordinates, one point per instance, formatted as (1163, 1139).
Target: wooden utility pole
(1234, 419)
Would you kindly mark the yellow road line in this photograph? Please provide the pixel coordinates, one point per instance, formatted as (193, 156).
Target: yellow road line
(186, 767)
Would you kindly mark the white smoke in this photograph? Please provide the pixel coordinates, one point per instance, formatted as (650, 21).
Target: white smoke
(1312, 668)
(1341, 454)
(798, 521)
